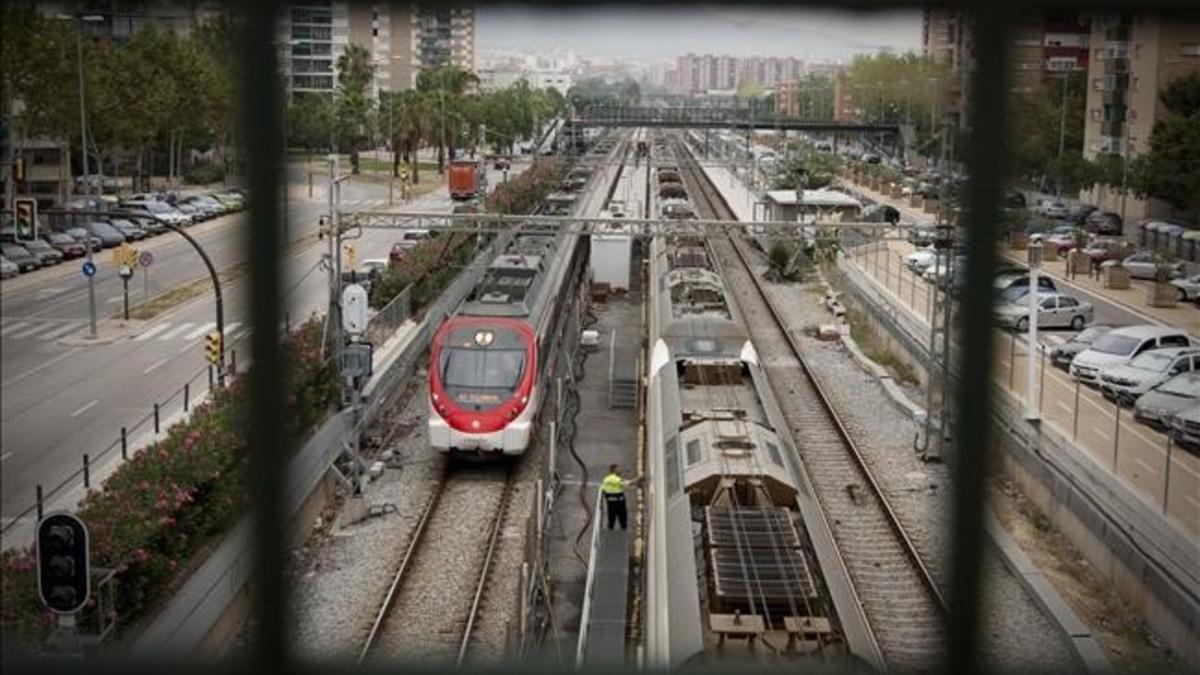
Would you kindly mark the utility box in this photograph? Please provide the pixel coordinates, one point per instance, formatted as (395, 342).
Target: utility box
(612, 255)
(1115, 276)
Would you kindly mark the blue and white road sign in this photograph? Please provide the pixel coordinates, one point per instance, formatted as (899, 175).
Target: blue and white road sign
(89, 268)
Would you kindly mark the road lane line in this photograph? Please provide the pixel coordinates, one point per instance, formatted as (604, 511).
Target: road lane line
(84, 409)
(151, 332)
(176, 332)
(201, 330)
(154, 365)
(1148, 466)
(37, 368)
(1064, 406)
(12, 327)
(59, 332)
(1102, 433)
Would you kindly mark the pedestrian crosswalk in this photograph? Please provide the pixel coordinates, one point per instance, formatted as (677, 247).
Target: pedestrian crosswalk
(48, 330)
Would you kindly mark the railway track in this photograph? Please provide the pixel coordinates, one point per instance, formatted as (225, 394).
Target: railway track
(432, 604)
(903, 605)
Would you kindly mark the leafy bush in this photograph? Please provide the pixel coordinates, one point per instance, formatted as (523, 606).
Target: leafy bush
(204, 174)
(521, 195)
(156, 511)
(428, 267)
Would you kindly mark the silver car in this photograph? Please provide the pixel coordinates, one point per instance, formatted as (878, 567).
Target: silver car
(1185, 428)
(1143, 266)
(8, 268)
(1125, 382)
(1177, 394)
(1189, 287)
(1055, 310)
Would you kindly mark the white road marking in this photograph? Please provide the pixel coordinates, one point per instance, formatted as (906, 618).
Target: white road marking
(59, 332)
(31, 331)
(47, 292)
(12, 327)
(151, 332)
(154, 365)
(1102, 434)
(84, 409)
(113, 301)
(5, 456)
(186, 348)
(230, 327)
(201, 330)
(1064, 406)
(37, 368)
(176, 332)
(1146, 465)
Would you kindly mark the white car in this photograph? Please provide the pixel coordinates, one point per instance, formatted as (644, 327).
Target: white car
(1122, 346)
(1052, 208)
(1185, 427)
(1143, 266)
(920, 259)
(1126, 382)
(1189, 287)
(8, 268)
(1054, 311)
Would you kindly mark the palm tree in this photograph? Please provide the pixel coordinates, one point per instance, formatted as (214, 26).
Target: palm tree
(448, 85)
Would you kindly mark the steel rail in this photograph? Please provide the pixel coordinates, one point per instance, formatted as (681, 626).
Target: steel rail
(486, 568)
(409, 553)
(717, 206)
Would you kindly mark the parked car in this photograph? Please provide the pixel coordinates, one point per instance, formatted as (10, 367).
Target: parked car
(148, 223)
(46, 254)
(920, 259)
(9, 234)
(1061, 238)
(1189, 287)
(1080, 213)
(410, 238)
(1053, 208)
(1104, 222)
(1103, 250)
(65, 244)
(1054, 311)
(205, 208)
(1177, 394)
(231, 200)
(922, 234)
(1122, 345)
(160, 210)
(1185, 428)
(500, 163)
(23, 259)
(109, 236)
(1125, 382)
(1143, 266)
(1013, 279)
(880, 213)
(80, 234)
(192, 211)
(8, 268)
(1062, 355)
(132, 232)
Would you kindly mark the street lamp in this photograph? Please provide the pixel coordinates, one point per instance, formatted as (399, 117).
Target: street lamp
(91, 278)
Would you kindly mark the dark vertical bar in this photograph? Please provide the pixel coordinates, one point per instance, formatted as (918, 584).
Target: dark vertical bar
(186, 390)
(87, 473)
(156, 418)
(210, 376)
(987, 167)
(260, 114)
(39, 501)
(233, 361)
(124, 443)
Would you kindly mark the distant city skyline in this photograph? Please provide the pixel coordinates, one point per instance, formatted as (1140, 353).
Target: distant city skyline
(643, 34)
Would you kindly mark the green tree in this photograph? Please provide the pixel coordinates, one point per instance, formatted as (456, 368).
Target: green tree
(1170, 171)
(310, 121)
(447, 87)
(352, 102)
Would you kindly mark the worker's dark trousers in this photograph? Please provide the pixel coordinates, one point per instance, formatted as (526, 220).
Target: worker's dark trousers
(616, 510)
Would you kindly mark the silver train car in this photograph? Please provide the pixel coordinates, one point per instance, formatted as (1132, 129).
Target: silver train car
(729, 566)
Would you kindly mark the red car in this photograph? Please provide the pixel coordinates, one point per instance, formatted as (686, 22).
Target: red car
(65, 244)
(399, 250)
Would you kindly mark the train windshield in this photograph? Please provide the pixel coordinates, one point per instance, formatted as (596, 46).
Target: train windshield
(482, 368)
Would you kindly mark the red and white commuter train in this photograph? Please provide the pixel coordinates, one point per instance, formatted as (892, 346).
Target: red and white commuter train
(488, 362)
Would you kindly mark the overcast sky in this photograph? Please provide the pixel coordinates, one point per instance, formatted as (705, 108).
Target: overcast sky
(627, 30)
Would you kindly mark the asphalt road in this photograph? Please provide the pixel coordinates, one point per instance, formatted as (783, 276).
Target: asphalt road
(62, 399)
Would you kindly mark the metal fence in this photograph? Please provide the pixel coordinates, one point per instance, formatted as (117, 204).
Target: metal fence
(391, 317)
(260, 118)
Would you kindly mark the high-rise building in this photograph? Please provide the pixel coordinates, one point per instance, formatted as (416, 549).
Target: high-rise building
(402, 37)
(1134, 56)
(706, 72)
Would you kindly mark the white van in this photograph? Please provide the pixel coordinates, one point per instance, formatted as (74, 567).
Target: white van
(1121, 346)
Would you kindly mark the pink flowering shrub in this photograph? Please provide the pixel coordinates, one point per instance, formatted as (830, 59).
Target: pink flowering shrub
(152, 514)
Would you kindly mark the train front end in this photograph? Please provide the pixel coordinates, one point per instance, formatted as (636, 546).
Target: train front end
(482, 394)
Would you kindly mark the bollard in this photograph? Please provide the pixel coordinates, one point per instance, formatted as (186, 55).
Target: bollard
(156, 418)
(124, 443)
(1116, 432)
(87, 474)
(39, 501)
(186, 391)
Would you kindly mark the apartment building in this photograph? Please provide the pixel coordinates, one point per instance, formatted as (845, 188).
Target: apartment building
(1134, 56)
(708, 72)
(402, 37)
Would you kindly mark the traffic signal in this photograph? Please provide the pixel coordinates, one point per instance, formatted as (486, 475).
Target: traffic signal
(19, 169)
(212, 347)
(62, 552)
(26, 218)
